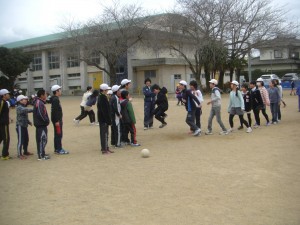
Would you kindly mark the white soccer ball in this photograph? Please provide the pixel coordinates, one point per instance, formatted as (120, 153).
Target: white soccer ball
(145, 153)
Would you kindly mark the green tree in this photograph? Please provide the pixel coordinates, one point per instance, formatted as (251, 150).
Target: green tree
(13, 62)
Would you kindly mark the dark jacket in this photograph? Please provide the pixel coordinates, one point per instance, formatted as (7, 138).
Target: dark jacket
(256, 100)
(40, 115)
(4, 112)
(114, 101)
(104, 114)
(127, 112)
(149, 96)
(91, 100)
(247, 101)
(56, 110)
(162, 100)
(188, 96)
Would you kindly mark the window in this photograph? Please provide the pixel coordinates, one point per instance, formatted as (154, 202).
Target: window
(54, 59)
(74, 75)
(74, 87)
(150, 74)
(22, 79)
(193, 76)
(227, 74)
(72, 61)
(38, 78)
(37, 62)
(54, 76)
(95, 58)
(177, 76)
(277, 54)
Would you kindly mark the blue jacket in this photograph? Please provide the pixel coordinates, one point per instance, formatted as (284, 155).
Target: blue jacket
(149, 96)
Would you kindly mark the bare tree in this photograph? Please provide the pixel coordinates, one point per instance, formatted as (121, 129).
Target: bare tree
(110, 35)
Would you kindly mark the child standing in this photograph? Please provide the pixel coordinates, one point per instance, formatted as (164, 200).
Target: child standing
(41, 121)
(247, 103)
(162, 104)
(149, 104)
(298, 93)
(275, 99)
(115, 109)
(128, 119)
(4, 123)
(236, 106)
(215, 108)
(191, 103)
(22, 122)
(104, 117)
(265, 97)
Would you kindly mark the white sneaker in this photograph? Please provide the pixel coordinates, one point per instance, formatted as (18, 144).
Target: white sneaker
(224, 132)
(256, 126)
(197, 132)
(208, 132)
(230, 130)
(76, 121)
(249, 130)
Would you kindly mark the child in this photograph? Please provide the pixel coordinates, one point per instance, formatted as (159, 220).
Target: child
(84, 113)
(178, 95)
(4, 123)
(41, 121)
(22, 122)
(57, 120)
(236, 106)
(281, 95)
(162, 104)
(198, 94)
(256, 103)
(191, 103)
(149, 104)
(115, 109)
(91, 100)
(298, 93)
(247, 103)
(215, 108)
(104, 117)
(265, 97)
(128, 118)
(275, 99)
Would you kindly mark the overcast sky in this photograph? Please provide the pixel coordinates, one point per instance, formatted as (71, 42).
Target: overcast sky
(23, 19)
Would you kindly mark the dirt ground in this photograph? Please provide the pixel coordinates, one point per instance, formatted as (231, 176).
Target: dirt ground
(235, 179)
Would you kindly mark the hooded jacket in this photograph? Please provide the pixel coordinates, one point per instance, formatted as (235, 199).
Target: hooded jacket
(188, 96)
(162, 100)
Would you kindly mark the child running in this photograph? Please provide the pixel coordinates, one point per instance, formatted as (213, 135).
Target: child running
(236, 106)
(215, 108)
(22, 123)
(162, 104)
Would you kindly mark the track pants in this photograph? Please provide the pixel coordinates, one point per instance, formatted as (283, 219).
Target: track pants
(115, 133)
(5, 138)
(58, 134)
(41, 135)
(130, 128)
(103, 136)
(23, 139)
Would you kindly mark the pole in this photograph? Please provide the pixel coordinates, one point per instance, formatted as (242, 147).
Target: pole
(249, 66)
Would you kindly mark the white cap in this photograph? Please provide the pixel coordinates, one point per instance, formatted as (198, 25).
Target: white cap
(235, 82)
(183, 82)
(4, 91)
(55, 87)
(213, 81)
(125, 81)
(259, 79)
(115, 88)
(21, 97)
(20, 91)
(109, 92)
(109, 88)
(104, 87)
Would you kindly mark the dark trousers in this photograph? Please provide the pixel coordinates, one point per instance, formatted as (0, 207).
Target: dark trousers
(274, 111)
(265, 114)
(103, 136)
(132, 130)
(5, 137)
(198, 114)
(159, 115)
(115, 133)
(249, 119)
(41, 135)
(242, 120)
(148, 114)
(190, 120)
(58, 134)
(279, 113)
(84, 113)
(256, 116)
(23, 139)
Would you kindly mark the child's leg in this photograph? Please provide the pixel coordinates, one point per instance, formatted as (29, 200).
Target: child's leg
(249, 119)
(132, 131)
(19, 144)
(231, 120)
(256, 116)
(243, 121)
(211, 116)
(218, 116)
(265, 114)
(25, 140)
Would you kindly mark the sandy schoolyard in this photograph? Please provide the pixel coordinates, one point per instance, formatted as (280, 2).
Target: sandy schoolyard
(237, 179)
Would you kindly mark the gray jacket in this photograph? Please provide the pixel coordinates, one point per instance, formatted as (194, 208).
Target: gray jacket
(215, 97)
(22, 115)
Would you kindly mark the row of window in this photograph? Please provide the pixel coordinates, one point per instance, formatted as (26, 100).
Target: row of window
(54, 60)
(51, 77)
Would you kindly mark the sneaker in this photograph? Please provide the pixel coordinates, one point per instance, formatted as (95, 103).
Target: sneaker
(21, 157)
(256, 126)
(145, 128)
(224, 132)
(230, 130)
(274, 123)
(76, 121)
(197, 132)
(249, 130)
(5, 157)
(28, 153)
(110, 151)
(46, 157)
(268, 124)
(150, 127)
(105, 152)
(163, 125)
(240, 128)
(208, 132)
(135, 144)
(61, 152)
